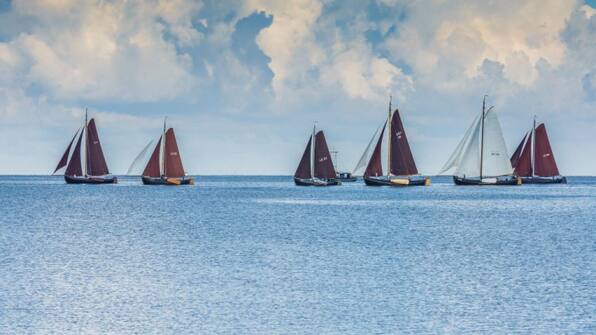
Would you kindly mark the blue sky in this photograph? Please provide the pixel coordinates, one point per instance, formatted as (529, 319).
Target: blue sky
(243, 81)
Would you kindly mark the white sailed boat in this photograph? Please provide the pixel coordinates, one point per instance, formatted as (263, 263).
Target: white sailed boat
(481, 156)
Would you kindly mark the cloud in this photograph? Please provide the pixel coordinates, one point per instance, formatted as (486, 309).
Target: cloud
(461, 35)
(310, 55)
(107, 50)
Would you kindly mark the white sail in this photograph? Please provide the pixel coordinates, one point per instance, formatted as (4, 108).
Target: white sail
(495, 157)
(141, 160)
(366, 154)
(468, 164)
(455, 158)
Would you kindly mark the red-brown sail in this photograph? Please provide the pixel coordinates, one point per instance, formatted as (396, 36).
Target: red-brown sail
(402, 161)
(517, 153)
(544, 160)
(96, 162)
(323, 165)
(523, 166)
(152, 169)
(74, 165)
(303, 170)
(375, 167)
(64, 159)
(172, 161)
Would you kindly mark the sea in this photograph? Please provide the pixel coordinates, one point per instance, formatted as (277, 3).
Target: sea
(258, 255)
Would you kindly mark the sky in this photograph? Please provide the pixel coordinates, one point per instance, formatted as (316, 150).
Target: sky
(243, 81)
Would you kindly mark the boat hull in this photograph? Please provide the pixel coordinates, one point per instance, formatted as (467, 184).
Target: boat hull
(397, 181)
(346, 177)
(109, 179)
(167, 181)
(316, 182)
(544, 180)
(501, 181)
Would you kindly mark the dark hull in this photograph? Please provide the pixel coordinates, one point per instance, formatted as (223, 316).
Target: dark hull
(319, 182)
(372, 181)
(346, 177)
(544, 180)
(477, 182)
(91, 179)
(167, 181)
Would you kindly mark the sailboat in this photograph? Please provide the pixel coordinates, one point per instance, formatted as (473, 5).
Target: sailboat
(343, 176)
(316, 167)
(165, 165)
(534, 161)
(86, 163)
(481, 156)
(401, 168)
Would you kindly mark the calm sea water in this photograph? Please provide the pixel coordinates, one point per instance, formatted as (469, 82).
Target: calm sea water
(241, 255)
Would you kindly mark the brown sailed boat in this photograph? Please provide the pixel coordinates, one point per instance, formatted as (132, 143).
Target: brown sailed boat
(401, 168)
(165, 165)
(534, 161)
(90, 169)
(316, 167)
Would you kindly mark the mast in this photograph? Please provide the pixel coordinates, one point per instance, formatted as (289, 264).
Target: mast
(312, 150)
(533, 147)
(162, 149)
(389, 139)
(482, 135)
(84, 161)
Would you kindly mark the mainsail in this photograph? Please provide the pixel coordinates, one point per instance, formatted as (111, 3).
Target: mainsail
(495, 157)
(402, 161)
(172, 161)
(323, 164)
(96, 162)
(544, 160)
